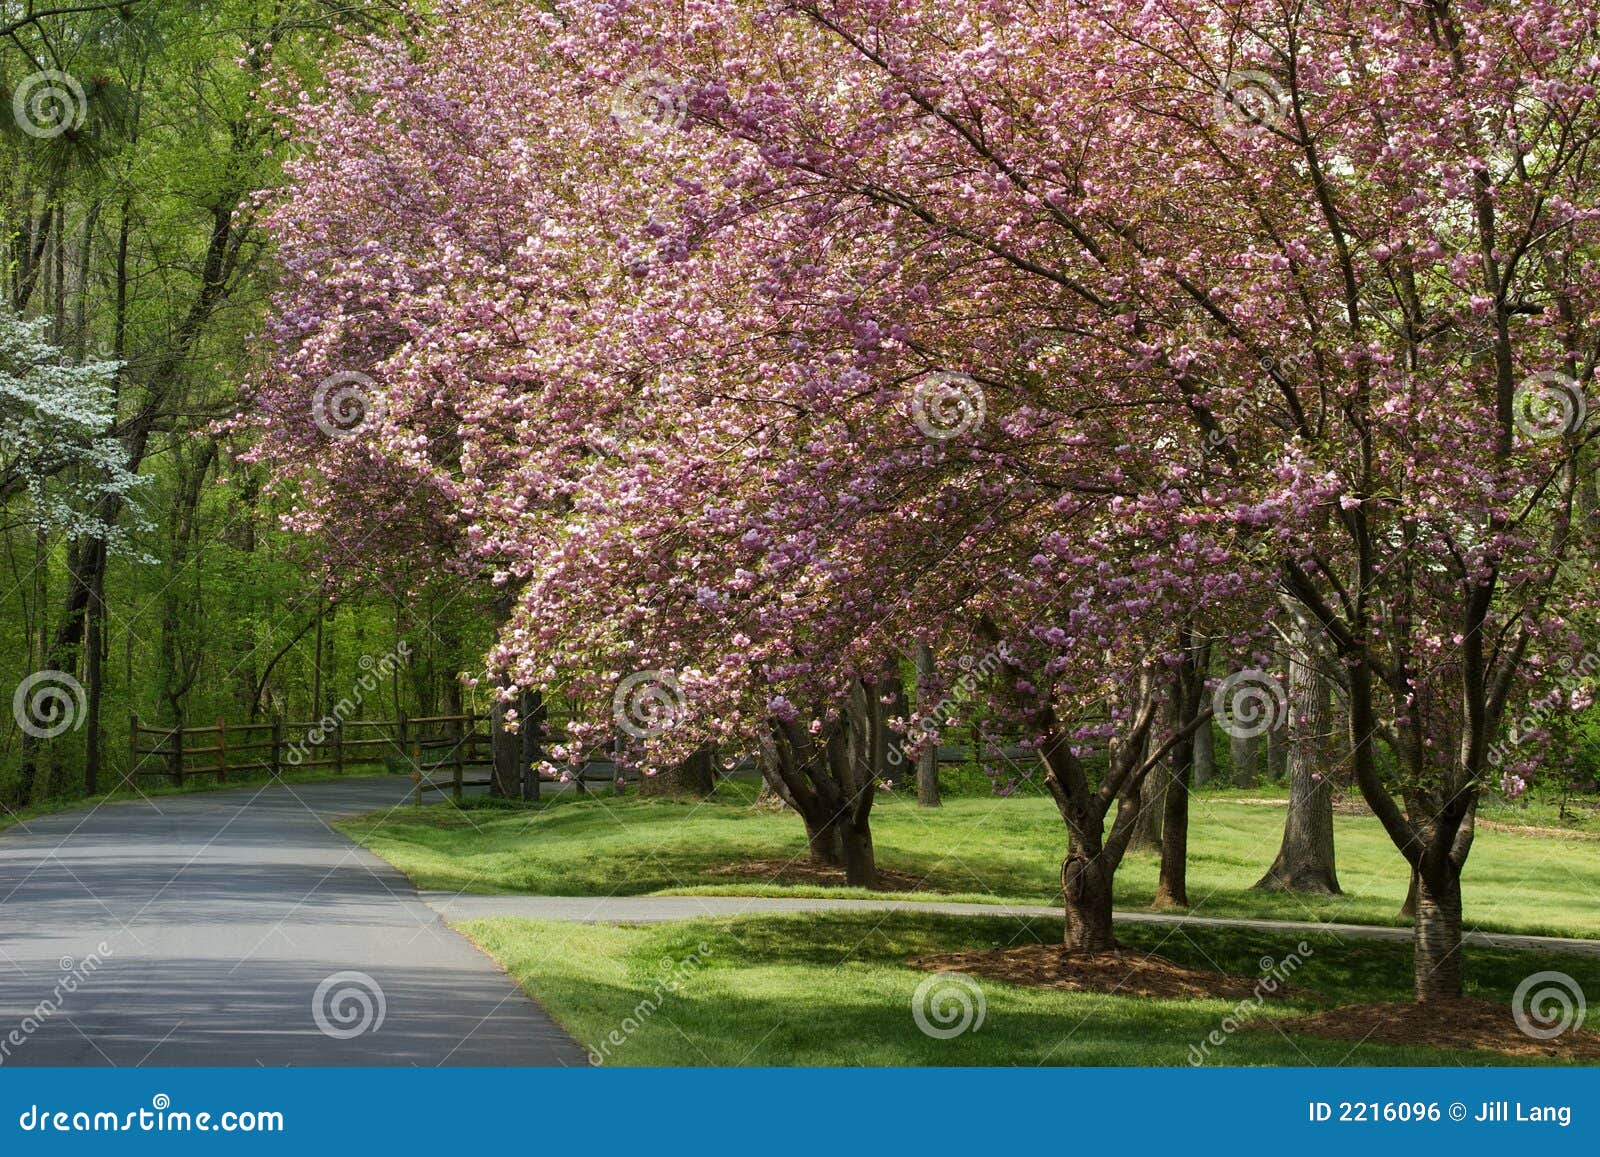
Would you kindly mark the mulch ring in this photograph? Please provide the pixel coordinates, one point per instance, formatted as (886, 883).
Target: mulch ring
(1455, 1024)
(817, 875)
(1124, 973)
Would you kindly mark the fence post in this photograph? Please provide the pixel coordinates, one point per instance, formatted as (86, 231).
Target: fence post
(400, 739)
(460, 756)
(338, 746)
(222, 751)
(277, 747)
(175, 757)
(134, 759)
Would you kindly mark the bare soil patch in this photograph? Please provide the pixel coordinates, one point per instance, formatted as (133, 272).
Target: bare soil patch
(1456, 1024)
(816, 875)
(1126, 973)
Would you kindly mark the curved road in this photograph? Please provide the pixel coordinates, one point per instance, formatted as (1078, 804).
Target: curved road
(200, 929)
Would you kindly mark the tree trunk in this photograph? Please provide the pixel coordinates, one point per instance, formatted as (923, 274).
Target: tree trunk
(1147, 825)
(822, 840)
(855, 843)
(505, 753)
(94, 678)
(1277, 754)
(1205, 755)
(928, 761)
(1086, 890)
(694, 777)
(1305, 861)
(1437, 935)
(534, 715)
(1188, 688)
(1244, 758)
(1408, 909)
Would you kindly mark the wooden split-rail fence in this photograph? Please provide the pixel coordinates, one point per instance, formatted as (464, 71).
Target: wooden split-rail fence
(440, 752)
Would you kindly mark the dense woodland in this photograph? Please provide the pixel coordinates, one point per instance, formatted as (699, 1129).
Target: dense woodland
(133, 241)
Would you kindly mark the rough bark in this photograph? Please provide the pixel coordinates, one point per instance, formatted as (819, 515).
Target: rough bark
(694, 778)
(928, 761)
(505, 755)
(1244, 760)
(1151, 806)
(1437, 933)
(1305, 860)
(1408, 908)
(831, 778)
(1087, 894)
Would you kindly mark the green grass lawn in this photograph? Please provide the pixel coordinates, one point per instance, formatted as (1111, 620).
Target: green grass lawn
(835, 989)
(973, 848)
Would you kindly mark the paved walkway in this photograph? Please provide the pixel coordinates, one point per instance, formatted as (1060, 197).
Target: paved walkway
(236, 928)
(660, 909)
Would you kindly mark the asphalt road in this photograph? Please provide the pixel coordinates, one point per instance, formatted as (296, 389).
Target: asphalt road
(237, 928)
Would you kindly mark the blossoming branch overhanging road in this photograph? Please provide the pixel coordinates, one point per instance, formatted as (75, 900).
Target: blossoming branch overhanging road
(236, 928)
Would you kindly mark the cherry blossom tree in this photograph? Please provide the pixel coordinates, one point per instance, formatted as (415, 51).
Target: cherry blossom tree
(751, 342)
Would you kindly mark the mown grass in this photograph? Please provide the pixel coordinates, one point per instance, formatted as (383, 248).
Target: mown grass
(981, 849)
(835, 989)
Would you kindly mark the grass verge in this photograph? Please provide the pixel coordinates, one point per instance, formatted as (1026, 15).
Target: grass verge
(835, 989)
(976, 849)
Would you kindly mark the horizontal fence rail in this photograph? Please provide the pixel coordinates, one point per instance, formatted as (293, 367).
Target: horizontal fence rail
(440, 752)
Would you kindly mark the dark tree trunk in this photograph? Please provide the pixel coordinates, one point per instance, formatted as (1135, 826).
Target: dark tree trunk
(822, 840)
(1188, 688)
(694, 777)
(1147, 825)
(1437, 934)
(1086, 890)
(928, 761)
(1305, 861)
(855, 844)
(94, 679)
(534, 716)
(505, 752)
(831, 779)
